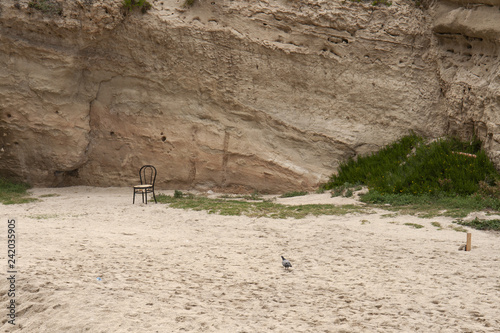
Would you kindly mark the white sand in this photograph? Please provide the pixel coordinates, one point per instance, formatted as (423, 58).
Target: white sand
(169, 270)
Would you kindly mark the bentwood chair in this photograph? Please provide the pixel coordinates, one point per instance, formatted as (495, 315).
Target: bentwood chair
(147, 176)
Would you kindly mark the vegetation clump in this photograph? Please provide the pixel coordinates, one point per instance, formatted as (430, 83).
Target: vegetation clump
(293, 194)
(46, 6)
(13, 193)
(381, 2)
(414, 225)
(143, 5)
(446, 177)
(345, 190)
(480, 224)
(446, 167)
(424, 4)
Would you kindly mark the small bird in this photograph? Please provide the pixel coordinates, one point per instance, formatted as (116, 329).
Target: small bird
(285, 263)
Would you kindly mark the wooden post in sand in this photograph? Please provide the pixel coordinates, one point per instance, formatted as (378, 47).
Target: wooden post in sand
(468, 245)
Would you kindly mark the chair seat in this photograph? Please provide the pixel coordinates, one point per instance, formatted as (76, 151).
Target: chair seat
(143, 186)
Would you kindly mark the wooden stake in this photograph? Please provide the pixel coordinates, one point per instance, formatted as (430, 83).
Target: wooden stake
(468, 246)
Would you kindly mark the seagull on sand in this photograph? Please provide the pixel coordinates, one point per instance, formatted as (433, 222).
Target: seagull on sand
(285, 263)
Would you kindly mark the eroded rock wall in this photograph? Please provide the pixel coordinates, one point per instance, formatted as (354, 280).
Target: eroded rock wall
(467, 46)
(235, 95)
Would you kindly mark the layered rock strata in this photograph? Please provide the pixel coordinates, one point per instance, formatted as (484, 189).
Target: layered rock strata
(235, 95)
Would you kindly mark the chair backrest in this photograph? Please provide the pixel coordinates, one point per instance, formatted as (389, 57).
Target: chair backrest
(147, 174)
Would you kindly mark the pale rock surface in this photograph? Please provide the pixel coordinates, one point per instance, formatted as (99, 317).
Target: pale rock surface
(467, 45)
(236, 95)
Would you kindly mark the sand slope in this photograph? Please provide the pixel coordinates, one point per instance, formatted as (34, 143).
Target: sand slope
(168, 270)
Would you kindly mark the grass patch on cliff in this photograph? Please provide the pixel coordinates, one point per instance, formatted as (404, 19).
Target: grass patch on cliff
(446, 167)
(143, 5)
(50, 7)
(224, 206)
(446, 177)
(14, 193)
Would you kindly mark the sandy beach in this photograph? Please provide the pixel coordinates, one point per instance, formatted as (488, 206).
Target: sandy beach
(89, 260)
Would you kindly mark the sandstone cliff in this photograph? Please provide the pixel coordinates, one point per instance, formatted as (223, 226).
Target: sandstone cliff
(466, 43)
(237, 95)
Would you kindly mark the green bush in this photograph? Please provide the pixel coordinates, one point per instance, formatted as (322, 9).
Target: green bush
(366, 168)
(408, 166)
